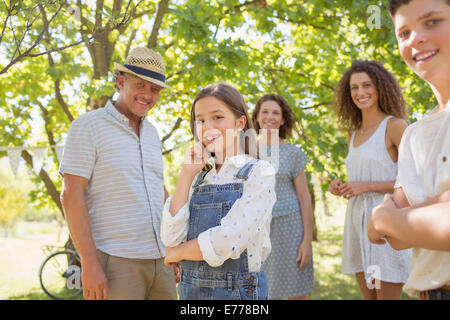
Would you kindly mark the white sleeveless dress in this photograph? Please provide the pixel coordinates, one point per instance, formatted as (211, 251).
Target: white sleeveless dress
(370, 162)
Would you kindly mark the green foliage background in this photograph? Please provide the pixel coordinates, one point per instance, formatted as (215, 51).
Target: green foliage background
(298, 49)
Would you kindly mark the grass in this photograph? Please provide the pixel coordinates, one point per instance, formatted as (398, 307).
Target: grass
(331, 284)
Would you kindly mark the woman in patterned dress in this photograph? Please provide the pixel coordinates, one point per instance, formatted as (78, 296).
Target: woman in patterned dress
(289, 267)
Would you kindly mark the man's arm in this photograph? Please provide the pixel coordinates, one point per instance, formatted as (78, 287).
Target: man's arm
(78, 220)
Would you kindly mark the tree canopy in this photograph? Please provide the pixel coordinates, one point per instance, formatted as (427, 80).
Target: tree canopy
(56, 60)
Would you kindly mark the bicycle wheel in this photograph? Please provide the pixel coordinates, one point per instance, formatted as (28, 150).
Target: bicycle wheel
(60, 275)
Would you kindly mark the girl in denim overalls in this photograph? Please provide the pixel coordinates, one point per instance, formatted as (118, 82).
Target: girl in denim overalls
(217, 223)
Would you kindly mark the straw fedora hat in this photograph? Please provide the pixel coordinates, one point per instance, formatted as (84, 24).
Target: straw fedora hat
(145, 64)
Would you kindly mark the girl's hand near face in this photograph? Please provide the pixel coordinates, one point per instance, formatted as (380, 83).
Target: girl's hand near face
(195, 159)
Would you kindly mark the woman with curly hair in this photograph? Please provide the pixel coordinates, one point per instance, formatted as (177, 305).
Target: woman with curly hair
(371, 107)
(289, 267)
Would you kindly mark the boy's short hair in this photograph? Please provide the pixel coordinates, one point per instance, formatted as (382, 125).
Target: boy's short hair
(394, 5)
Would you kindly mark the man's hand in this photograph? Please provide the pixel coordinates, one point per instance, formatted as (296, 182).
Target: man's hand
(95, 284)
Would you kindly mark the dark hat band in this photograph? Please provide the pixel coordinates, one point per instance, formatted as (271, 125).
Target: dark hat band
(145, 72)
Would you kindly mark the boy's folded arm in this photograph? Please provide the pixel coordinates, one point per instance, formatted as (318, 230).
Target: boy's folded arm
(397, 244)
(423, 227)
(441, 198)
(400, 199)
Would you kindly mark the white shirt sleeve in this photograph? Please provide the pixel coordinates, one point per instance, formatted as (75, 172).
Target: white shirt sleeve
(247, 217)
(174, 228)
(442, 181)
(80, 150)
(408, 177)
(443, 167)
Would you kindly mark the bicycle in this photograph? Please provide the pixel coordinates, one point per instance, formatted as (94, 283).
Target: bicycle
(60, 273)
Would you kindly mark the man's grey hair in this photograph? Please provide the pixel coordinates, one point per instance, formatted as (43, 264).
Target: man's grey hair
(115, 76)
(126, 75)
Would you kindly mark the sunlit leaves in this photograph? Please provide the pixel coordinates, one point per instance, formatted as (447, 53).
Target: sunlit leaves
(298, 49)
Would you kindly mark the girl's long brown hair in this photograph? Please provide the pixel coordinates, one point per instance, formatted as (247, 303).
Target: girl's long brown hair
(390, 97)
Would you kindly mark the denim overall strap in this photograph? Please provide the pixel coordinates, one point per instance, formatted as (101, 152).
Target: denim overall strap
(200, 178)
(244, 172)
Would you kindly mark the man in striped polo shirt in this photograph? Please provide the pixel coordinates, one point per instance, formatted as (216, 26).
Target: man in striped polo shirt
(113, 190)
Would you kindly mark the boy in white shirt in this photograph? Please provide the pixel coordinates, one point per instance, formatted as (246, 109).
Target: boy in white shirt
(423, 33)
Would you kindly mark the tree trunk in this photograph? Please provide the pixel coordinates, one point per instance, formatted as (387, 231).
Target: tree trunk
(326, 209)
(313, 205)
(54, 194)
(162, 8)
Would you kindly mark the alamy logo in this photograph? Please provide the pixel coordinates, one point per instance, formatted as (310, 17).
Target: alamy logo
(374, 20)
(374, 276)
(74, 277)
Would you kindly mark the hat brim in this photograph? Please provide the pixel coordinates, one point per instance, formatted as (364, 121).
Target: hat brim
(120, 67)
